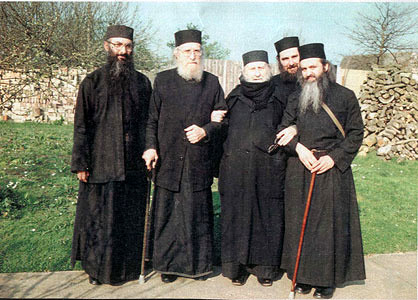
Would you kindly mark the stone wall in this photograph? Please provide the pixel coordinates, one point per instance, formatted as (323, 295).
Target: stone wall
(42, 100)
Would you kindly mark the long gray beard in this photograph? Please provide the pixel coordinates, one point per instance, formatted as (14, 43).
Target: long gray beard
(190, 74)
(312, 94)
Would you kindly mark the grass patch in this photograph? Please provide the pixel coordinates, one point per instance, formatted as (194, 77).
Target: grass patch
(38, 195)
(387, 194)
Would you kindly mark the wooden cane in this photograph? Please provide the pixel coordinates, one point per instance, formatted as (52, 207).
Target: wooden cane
(302, 233)
(145, 240)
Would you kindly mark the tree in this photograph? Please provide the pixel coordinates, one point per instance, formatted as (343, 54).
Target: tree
(40, 38)
(391, 27)
(211, 50)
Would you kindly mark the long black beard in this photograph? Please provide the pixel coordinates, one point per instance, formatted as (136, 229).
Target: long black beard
(119, 73)
(313, 93)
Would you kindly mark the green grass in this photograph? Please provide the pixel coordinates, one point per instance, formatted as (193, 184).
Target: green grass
(38, 195)
(387, 193)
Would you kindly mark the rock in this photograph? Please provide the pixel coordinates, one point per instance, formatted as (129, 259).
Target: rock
(385, 150)
(370, 140)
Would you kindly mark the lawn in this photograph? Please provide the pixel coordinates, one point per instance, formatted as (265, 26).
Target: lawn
(38, 196)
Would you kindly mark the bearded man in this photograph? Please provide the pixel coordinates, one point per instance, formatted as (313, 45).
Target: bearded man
(109, 137)
(250, 180)
(178, 144)
(332, 252)
(288, 60)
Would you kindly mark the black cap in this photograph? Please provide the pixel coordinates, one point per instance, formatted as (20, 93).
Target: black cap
(120, 31)
(257, 55)
(312, 50)
(188, 36)
(286, 43)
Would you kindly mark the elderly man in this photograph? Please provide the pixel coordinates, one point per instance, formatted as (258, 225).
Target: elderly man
(109, 136)
(250, 180)
(288, 60)
(178, 144)
(332, 252)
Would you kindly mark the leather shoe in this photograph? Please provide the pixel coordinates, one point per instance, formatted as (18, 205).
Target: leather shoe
(167, 278)
(94, 281)
(301, 288)
(324, 292)
(265, 281)
(240, 280)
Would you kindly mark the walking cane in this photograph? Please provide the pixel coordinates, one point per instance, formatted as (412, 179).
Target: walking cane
(302, 233)
(145, 240)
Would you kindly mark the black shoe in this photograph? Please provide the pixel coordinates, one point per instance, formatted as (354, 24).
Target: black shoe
(94, 281)
(265, 281)
(301, 288)
(167, 278)
(240, 280)
(324, 292)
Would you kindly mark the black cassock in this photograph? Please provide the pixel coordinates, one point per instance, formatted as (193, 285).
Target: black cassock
(182, 218)
(251, 183)
(109, 138)
(332, 252)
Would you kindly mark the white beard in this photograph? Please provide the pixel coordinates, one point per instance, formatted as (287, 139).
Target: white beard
(190, 72)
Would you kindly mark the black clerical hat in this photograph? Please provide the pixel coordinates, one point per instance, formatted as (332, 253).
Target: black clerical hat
(286, 43)
(312, 50)
(120, 31)
(188, 36)
(257, 55)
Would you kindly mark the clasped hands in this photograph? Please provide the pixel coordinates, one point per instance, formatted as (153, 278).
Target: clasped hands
(194, 134)
(319, 166)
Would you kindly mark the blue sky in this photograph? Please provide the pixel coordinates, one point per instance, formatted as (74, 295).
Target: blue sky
(246, 26)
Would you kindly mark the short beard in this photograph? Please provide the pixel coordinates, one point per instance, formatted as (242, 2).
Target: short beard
(286, 76)
(190, 72)
(313, 93)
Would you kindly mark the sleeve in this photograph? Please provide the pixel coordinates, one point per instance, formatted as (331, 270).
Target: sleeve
(151, 131)
(80, 160)
(212, 128)
(289, 119)
(344, 154)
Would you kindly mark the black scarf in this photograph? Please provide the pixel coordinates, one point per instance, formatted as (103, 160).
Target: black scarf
(258, 92)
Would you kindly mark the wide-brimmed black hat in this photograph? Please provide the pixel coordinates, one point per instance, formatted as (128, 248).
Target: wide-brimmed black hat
(120, 31)
(286, 43)
(256, 55)
(312, 50)
(188, 36)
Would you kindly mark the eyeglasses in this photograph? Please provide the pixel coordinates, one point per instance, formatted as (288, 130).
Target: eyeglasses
(188, 52)
(119, 46)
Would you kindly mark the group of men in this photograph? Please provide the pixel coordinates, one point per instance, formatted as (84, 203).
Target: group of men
(186, 133)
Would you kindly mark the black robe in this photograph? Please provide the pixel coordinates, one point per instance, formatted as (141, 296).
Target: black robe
(332, 252)
(251, 184)
(109, 138)
(182, 208)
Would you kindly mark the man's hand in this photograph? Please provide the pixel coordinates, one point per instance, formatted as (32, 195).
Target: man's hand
(195, 133)
(217, 115)
(306, 156)
(323, 164)
(150, 156)
(286, 135)
(83, 176)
